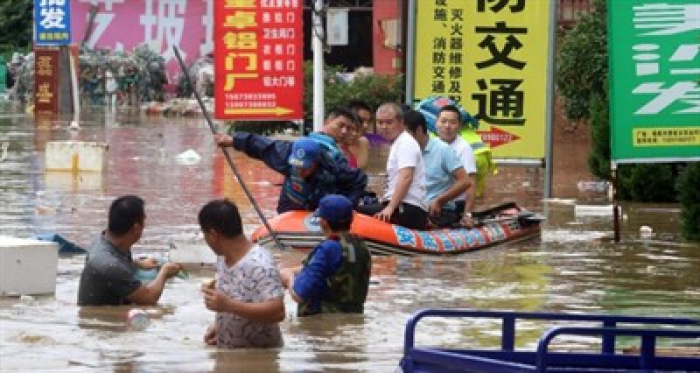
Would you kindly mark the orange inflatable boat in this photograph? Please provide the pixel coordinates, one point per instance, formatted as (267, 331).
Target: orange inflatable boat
(505, 223)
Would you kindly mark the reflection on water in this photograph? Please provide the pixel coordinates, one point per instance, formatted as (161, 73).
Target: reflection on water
(574, 267)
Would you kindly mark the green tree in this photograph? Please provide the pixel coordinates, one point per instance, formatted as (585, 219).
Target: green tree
(15, 26)
(372, 89)
(599, 157)
(582, 80)
(689, 197)
(582, 63)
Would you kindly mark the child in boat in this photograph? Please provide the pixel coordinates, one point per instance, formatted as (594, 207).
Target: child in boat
(335, 275)
(247, 295)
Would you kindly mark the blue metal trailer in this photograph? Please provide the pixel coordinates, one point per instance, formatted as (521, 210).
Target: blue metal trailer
(646, 330)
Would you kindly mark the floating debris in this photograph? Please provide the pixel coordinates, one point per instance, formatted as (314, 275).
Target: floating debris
(188, 157)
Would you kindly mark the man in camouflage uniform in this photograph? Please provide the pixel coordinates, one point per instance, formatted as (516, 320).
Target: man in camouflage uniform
(335, 275)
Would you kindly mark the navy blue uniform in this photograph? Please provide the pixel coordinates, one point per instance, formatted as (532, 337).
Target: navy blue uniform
(330, 177)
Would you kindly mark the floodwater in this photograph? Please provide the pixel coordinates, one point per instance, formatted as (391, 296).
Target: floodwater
(573, 267)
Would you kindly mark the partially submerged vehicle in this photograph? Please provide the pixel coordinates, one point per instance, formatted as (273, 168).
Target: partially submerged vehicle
(605, 355)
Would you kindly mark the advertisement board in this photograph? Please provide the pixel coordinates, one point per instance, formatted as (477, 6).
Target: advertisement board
(258, 60)
(52, 22)
(46, 80)
(493, 58)
(654, 52)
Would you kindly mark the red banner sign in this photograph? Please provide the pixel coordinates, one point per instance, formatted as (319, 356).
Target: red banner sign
(258, 59)
(46, 80)
(496, 137)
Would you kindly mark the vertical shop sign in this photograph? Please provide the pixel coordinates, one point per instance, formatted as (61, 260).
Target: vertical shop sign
(46, 80)
(492, 58)
(258, 59)
(52, 22)
(654, 80)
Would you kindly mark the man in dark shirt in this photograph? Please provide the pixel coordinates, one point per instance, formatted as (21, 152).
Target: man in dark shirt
(109, 274)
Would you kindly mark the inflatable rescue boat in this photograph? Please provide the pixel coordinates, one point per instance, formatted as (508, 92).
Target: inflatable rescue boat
(505, 223)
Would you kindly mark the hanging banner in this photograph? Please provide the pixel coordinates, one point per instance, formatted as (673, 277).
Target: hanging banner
(654, 71)
(51, 22)
(258, 60)
(46, 80)
(492, 58)
(121, 26)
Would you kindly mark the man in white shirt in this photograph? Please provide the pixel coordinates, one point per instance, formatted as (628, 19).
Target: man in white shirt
(403, 202)
(449, 126)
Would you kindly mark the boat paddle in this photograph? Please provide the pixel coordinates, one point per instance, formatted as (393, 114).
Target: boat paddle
(209, 121)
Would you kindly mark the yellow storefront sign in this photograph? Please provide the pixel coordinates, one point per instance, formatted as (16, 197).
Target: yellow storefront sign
(492, 58)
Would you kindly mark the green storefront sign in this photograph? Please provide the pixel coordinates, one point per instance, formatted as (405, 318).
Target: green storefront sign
(654, 51)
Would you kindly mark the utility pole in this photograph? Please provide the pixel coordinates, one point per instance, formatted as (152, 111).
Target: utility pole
(317, 35)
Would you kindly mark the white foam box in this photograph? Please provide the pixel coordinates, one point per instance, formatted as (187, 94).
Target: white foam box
(189, 253)
(75, 156)
(595, 210)
(27, 267)
(70, 181)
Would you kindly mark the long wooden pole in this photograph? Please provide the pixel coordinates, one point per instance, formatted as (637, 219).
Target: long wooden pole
(273, 234)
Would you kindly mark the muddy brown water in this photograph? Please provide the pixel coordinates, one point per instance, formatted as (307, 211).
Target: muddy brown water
(572, 267)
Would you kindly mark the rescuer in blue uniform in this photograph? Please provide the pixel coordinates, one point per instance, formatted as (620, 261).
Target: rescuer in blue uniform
(310, 173)
(335, 276)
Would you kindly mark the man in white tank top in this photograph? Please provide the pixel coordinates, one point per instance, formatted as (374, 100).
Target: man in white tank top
(403, 201)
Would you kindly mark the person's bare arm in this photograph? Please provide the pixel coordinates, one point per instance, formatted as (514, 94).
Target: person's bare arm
(405, 178)
(223, 139)
(362, 154)
(460, 185)
(470, 202)
(471, 194)
(210, 335)
(270, 311)
(148, 295)
(287, 276)
(290, 286)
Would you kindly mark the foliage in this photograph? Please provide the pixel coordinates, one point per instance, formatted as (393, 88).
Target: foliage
(370, 88)
(15, 26)
(689, 197)
(582, 64)
(582, 79)
(647, 182)
(599, 156)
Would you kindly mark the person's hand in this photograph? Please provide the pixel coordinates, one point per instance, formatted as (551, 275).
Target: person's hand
(468, 221)
(210, 335)
(171, 269)
(435, 208)
(385, 214)
(215, 300)
(147, 263)
(223, 139)
(287, 275)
